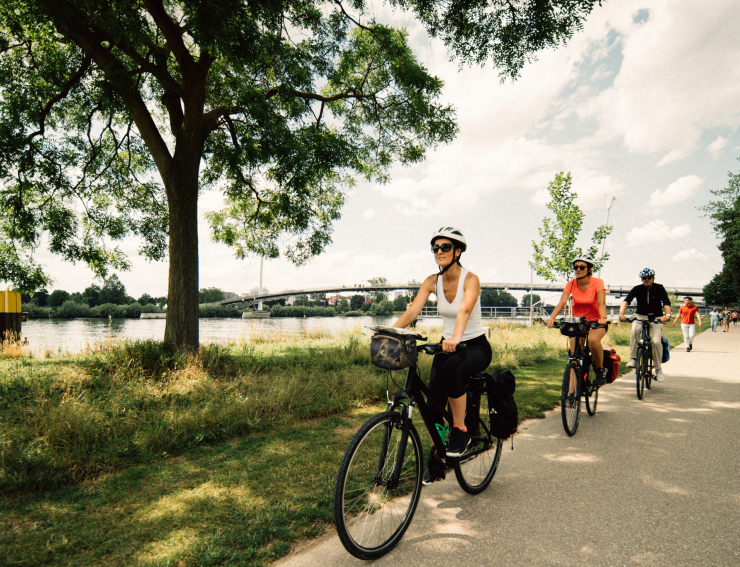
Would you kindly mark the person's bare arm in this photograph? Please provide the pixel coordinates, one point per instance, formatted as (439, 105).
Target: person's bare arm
(558, 308)
(411, 314)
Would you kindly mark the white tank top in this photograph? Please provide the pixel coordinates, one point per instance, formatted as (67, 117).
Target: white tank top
(449, 311)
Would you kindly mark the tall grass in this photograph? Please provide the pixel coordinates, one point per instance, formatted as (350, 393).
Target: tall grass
(68, 418)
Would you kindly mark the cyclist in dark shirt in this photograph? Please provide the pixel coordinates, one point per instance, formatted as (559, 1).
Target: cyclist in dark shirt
(652, 299)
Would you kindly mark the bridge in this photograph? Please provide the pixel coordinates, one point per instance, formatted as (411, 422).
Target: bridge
(243, 301)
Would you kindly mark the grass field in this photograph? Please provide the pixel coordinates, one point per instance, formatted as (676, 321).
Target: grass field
(135, 456)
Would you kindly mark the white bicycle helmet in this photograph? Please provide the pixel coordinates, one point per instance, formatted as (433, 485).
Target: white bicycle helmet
(585, 258)
(647, 273)
(451, 233)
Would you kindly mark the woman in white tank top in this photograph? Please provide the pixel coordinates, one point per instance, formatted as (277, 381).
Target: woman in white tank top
(458, 302)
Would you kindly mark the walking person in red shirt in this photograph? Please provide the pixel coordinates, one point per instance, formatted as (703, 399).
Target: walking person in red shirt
(688, 312)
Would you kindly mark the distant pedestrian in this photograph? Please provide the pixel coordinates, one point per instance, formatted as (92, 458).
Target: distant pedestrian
(725, 315)
(714, 318)
(734, 318)
(688, 312)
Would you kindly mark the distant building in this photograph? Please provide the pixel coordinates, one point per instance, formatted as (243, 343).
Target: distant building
(256, 291)
(334, 299)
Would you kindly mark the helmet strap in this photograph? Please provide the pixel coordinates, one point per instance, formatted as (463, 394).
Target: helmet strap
(448, 266)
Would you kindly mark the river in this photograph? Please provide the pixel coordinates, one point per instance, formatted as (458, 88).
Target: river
(62, 336)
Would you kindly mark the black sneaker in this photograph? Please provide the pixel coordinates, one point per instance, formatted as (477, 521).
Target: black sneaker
(429, 478)
(601, 377)
(691, 347)
(458, 443)
(688, 349)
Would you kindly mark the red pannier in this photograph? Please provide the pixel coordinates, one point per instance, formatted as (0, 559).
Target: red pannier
(611, 363)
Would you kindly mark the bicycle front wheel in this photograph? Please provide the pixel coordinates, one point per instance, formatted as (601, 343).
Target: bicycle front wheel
(648, 369)
(640, 371)
(475, 470)
(570, 404)
(371, 510)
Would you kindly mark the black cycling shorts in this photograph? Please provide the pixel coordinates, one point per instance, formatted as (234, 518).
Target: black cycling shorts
(451, 371)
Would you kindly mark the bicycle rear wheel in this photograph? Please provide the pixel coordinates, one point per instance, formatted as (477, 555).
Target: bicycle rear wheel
(570, 406)
(371, 515)
(640, 372)
(592, 398)
(475, 470)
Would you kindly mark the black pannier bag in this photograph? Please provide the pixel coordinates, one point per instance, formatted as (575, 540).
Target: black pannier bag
(393, 350)
(577, 327)
(504, 414)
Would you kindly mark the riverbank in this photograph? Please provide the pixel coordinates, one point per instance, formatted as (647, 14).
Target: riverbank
(133, 456)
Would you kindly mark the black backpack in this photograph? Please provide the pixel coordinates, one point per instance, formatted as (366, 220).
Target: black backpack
(501, 385)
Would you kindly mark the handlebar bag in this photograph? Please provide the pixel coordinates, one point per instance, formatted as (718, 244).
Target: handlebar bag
(611, 362)
(574, 328)
(666, 349)
(391, 351)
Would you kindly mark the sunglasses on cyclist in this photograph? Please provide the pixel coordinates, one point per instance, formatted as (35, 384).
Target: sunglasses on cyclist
(578, 268)
(446, 247)
(647, 278)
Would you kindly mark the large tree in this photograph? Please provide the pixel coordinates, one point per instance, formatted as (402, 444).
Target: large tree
(725, 217)
(115, 116)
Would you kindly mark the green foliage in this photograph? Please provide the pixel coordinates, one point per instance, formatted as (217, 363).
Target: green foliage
(210, 311)
(91, 295)
(365, 307)
(58, 297)
(210, 295)
(553, 256)
(725, 218)
(401, 303)
(302, 311)
(497, 298)
(722, 290)
(146, 299)
(116, 116)
(301, 301)
(356, 301)
(343, 306)
(382, 309)
(528, 299)
(377, 296)
(113, 291)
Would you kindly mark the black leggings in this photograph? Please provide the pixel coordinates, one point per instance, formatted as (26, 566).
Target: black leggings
(451, 371)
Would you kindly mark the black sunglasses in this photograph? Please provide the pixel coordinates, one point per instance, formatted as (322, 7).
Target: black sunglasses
(446, 247)
(648, 278)
(578, 268)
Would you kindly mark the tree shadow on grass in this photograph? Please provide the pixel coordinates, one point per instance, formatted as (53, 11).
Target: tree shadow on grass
(241, 502)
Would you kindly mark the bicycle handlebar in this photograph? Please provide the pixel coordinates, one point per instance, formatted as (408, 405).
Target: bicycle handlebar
(436, 348)
(650, 319)
(592, 324)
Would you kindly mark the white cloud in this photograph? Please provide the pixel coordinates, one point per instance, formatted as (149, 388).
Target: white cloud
(691, 254)
(656, 231)
(369, 213)
(717, 146)
(666, 93)
(678, 191)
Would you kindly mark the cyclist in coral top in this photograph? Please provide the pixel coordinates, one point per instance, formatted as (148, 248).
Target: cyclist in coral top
(589, 301)
(687, 312)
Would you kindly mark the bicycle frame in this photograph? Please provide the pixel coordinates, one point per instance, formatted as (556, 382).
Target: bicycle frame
(416, 394)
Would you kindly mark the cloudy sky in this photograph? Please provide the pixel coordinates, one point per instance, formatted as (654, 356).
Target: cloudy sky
(642, 106)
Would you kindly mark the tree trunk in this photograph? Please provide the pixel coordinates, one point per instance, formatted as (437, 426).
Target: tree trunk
(181, 328)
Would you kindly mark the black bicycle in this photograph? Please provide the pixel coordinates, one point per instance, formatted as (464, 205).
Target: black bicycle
(644, 361)
(380, 477)
(577, 370)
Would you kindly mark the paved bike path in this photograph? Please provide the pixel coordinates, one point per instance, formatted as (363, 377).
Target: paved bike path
(647, 483)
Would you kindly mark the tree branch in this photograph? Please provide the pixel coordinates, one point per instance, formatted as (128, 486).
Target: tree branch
(65, 91)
